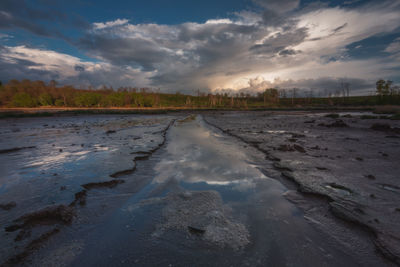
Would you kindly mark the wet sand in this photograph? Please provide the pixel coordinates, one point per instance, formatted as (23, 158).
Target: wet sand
(212, 189)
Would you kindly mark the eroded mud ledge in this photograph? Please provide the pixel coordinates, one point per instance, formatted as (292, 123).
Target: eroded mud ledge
(325, 164)
(54, 217)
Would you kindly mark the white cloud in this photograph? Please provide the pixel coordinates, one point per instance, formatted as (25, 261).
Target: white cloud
(109, 24)
(48, 60)
(219, 21)
(33, 63)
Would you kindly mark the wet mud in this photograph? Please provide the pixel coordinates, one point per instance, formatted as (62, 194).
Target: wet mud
(333, 154)
(232, 189)
(31, 227)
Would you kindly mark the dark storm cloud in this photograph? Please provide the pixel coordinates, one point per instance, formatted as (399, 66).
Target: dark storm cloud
(210, 43)
(20, 69)
(272, 18)
(278, 6)
(37, 18)
(136, 52)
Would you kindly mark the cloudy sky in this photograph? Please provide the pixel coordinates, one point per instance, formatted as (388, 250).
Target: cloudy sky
(181, 45)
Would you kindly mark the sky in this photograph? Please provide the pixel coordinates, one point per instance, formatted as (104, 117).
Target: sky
(219, 46)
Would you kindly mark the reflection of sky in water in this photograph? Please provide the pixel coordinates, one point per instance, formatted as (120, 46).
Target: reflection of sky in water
(199, 155)
(71, 150)
(60, 157)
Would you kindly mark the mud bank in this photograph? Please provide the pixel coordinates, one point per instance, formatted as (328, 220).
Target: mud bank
(55, 177)
(345, 160)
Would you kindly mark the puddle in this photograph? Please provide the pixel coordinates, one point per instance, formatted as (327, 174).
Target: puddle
(198, 154)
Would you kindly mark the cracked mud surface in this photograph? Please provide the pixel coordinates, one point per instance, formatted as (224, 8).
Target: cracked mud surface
(350, 162)
(42, 185)
(257, 189)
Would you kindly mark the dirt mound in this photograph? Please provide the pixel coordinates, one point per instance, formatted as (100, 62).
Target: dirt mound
(202, 213)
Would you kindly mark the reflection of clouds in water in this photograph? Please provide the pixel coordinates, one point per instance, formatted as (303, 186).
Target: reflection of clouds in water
(102, 148)
(57, 158)
(48, 160)
(198, 155)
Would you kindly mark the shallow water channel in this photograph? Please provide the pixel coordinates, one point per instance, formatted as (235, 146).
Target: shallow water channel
(207, 204)
(199, 200)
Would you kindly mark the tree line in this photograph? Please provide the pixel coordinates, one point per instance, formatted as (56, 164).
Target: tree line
(27, 93)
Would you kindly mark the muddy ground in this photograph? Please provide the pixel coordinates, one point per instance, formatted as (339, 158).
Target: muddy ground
(343, 164)
(214, 188)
